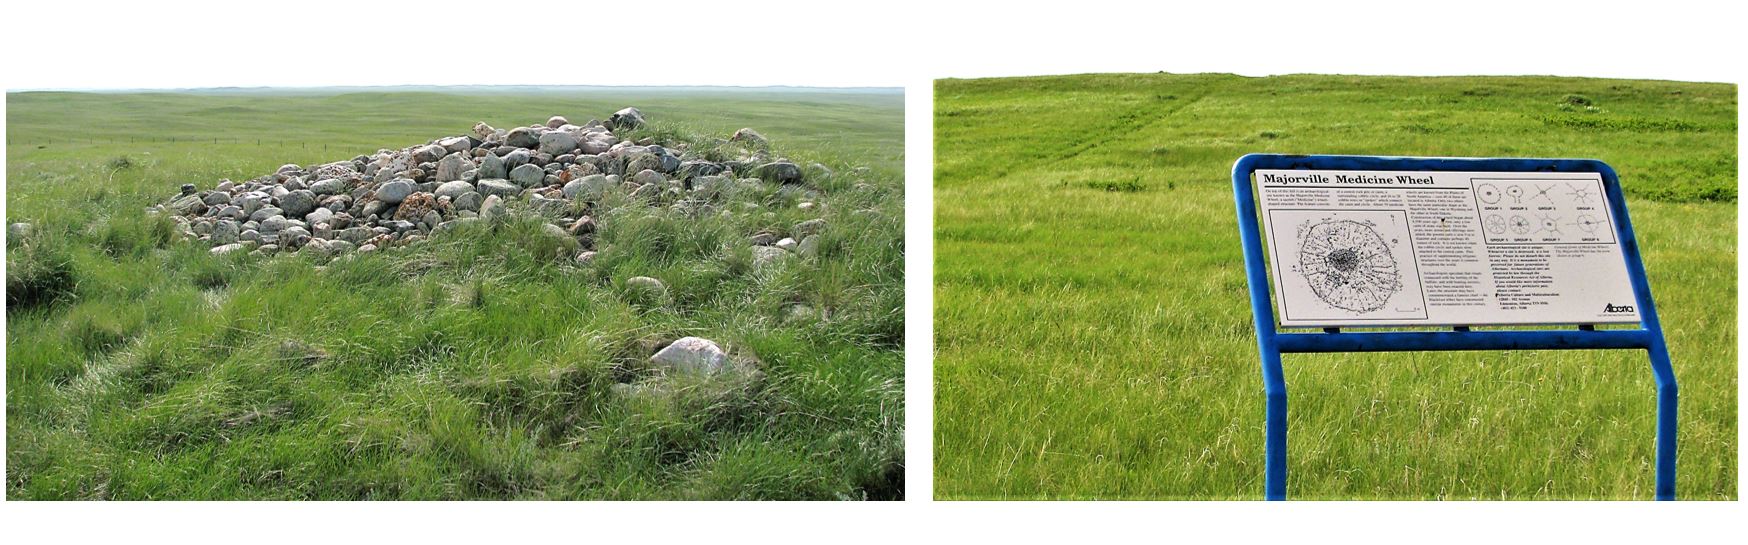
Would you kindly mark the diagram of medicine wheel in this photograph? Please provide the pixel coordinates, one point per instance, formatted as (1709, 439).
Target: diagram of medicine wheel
(1543, 211)
(1349, 265)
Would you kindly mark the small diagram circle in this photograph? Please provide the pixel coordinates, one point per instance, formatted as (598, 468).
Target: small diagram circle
(1349, 265)
(1550, 224)
(1589, 223)
(1495, 224)
(1515, 192)
(1488, 193)
(1520, 225)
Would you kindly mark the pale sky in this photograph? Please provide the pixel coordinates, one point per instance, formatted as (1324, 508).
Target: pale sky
(78, 44)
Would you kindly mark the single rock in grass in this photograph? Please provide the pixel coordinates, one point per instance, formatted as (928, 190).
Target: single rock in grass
(808, 247)
(787, 244)
(228, 248)
(628, 118)
(645, 290)
(765, 256)
(750, 137)
(809, 227)
(18, 231)
(691, 355)
(586, 258)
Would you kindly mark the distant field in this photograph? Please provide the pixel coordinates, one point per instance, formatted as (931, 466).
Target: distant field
(466, 368)
(1093, 334)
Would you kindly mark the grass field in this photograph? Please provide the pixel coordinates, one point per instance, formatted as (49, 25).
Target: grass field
(476, 366)
(1093, 333)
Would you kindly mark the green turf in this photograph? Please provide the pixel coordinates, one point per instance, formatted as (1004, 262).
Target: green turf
(477, 366)
(1093, 329)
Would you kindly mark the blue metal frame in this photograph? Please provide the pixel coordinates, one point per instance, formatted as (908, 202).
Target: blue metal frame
(1272, 343)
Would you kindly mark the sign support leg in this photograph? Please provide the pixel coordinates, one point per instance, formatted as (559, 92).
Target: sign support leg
(1275, 454)
(1667, 400)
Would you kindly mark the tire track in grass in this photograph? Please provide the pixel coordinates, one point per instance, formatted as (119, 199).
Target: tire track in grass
(1127, 126)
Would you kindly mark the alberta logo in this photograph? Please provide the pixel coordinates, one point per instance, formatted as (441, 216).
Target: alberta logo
(1611, 308)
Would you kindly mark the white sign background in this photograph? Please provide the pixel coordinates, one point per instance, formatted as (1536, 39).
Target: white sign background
(1388, 248)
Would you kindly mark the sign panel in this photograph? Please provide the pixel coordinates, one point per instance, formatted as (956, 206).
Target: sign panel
(1432, 248)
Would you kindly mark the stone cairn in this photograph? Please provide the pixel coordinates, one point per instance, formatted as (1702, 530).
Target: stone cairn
(395, 198)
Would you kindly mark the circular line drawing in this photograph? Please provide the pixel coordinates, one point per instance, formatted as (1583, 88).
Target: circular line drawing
(1495, 224)
(1588, 223)
(1488, 193)
(1349, 265)
(1550, 224)
(1579, 193)
(1516, 192)
(1520, 225)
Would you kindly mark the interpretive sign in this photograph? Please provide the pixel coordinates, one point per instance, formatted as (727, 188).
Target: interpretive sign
(1455, 243)
(1390, 248)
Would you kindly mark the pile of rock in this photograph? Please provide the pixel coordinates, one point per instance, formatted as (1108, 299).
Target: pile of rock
(395, 198)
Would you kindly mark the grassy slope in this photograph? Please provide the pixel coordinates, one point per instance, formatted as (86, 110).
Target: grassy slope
(1093, 332)
(468, 368)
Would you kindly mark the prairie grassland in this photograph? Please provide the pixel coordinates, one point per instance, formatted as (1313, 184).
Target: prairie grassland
(1093, 333)
(475, 366)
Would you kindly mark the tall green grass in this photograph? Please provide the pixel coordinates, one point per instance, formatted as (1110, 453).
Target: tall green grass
(480, 365)
(1093, 330)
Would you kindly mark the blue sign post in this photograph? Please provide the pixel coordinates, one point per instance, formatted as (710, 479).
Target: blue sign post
(1272, 343)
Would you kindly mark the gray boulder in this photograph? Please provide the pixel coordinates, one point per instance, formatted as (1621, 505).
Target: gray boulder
(528, 175)
(225, 232)
(428, 153)
(645, 290)
(557, 142)
(395, 191)
(329, 186)
(297, 203)
(450, 168)
(782, 172)
(522, 137)
(453, 189)
(320, 215)
(628, 118)
(499, 188)
(591, 187)
(492, 207)
(492, 167)
(468, 201)
(691, 355)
